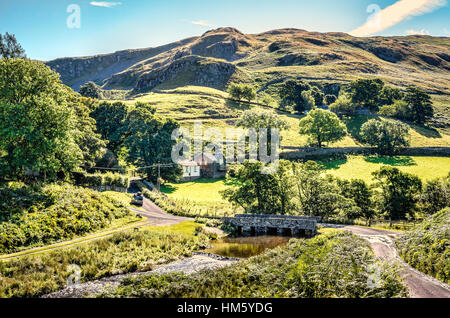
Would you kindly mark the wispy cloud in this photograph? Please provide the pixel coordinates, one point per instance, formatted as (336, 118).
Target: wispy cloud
(396, 13)
(202, 23)
(417, 32)
(105, 4)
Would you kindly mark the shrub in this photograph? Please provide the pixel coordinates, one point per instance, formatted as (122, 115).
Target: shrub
(427, 246)
(330, 99)
(343, 106)
(53, 213)
(399, 110)
(435, 195)
(386, 135)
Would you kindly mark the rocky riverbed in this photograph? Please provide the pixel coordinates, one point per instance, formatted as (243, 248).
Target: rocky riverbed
(189, 265)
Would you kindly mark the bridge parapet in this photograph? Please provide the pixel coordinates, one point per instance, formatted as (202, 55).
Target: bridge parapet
(252, 224)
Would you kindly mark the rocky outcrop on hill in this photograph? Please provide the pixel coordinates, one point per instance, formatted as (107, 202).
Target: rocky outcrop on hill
(219, 55)
(197, 70)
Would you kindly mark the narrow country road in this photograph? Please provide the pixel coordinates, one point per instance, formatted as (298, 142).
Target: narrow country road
(382, 242)
(151, 213)
(156, 216)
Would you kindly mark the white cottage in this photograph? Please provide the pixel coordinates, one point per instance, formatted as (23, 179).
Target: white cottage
(191, 170)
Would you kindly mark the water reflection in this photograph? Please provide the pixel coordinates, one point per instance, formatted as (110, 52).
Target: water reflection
(244, 247)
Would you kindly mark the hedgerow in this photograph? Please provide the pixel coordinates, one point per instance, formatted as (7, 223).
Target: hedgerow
(108, 179)
(427, 246)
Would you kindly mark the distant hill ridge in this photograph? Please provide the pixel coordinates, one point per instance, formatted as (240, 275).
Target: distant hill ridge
(226, 54)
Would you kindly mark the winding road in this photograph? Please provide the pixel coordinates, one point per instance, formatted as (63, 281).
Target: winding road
(382, 242)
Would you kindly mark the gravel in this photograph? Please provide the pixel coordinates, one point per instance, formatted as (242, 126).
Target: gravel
(189, 265)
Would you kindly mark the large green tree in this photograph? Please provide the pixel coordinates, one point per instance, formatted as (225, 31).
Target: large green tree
(322, 126)
(259, 119)
(435, 195)
(148, 139)
(366, 92)
(37, 123)
(360, 192)
(110, 119)
(386, 135)
(419, 105)
(10, 48)
(398, 192)
(318, 194)
(262, 193)
(91, 144)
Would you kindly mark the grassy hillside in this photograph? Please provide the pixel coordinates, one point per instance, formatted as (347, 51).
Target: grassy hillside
(212, 106)
(34, 215)
(427, 247)
(218, 57)
(270, 56)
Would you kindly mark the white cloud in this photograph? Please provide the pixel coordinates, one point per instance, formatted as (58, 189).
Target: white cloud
(396, 13)
(417, 32)
(202, 23)
(105, 4)
(446, 31)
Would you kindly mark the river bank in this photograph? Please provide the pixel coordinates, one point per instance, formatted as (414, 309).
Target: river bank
(199, 261)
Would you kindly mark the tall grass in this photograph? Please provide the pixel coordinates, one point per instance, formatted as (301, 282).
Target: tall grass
(131, 251)
(336, 264)
(427, 246)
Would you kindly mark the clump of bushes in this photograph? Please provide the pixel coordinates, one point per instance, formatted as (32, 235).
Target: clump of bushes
(337, 264)
(35, 215)
(106, 180)
(427, 246)
(209, 222)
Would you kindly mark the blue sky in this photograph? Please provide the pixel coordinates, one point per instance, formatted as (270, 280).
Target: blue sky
(41, 27)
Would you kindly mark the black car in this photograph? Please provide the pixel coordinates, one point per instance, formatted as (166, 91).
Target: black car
(138, 199)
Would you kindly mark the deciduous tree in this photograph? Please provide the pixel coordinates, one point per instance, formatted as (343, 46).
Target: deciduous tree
(322, 126)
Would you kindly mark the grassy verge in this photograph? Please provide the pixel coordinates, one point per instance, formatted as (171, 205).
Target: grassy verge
(427, 246)
(131, 251)
(38, 215)
(335, 264)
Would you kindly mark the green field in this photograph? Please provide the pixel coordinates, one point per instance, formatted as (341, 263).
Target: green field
(204, 194)
(201, 197)
(362, 167)
(198, 190)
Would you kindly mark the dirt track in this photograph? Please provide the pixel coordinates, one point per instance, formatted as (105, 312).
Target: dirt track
(419, 284)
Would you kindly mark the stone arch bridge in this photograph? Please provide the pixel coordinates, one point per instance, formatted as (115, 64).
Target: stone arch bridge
(267, 224)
